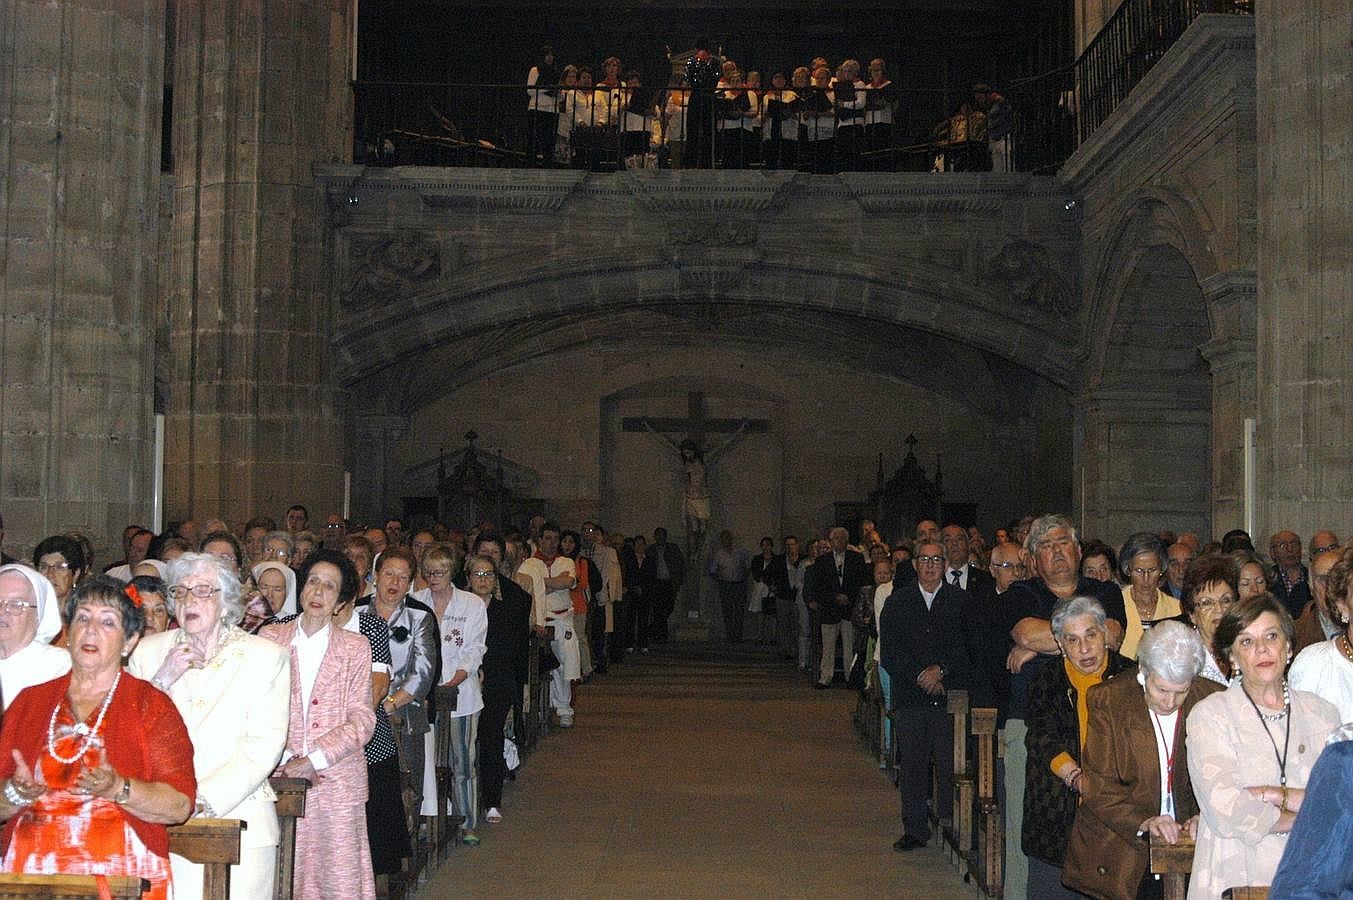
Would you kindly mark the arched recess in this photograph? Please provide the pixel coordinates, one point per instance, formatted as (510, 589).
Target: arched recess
(1145, 412)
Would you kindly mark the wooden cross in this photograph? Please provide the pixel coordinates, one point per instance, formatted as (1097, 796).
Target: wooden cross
(696, 424)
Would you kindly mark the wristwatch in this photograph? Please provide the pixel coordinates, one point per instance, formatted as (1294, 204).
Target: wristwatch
(126, 793)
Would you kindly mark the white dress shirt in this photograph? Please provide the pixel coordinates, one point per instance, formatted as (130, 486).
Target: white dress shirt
(310, 650)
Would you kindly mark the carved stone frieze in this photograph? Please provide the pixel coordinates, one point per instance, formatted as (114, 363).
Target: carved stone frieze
(1027, 275)
(710, 232)
(381, 268)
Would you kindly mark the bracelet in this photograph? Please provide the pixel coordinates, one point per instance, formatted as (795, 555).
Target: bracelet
(13, 797)
(1284, 808)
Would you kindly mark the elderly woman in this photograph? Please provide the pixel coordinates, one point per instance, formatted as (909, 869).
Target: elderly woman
(1142, 562)
(62, 561)
(387, 830)
(464, 629)
(277, 584)
(29, 619)
(1058, 725)
(232, 690)
(157, 608)
(1326, 669)
(1136, 774)
(98, 761)
(1209, 591)
(226, 547)
(331, 721)
(414, 641)
(1251, 749)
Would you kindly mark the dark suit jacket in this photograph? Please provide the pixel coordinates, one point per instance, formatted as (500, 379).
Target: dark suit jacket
(988, 642)
(913, 638)
(676, 562)
(821, 585)
(1104, 857)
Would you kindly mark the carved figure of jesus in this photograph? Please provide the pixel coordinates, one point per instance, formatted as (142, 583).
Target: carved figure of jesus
(695, 506)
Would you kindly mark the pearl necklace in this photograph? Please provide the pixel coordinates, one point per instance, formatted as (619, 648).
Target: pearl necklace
(1347, 648)
(86, 733)
(1275, 716)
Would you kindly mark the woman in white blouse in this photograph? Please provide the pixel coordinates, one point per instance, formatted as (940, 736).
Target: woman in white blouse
(1326, 669)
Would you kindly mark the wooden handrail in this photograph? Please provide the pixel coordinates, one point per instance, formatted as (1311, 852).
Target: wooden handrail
(215, 845)
(1173, 863)
(86, 887)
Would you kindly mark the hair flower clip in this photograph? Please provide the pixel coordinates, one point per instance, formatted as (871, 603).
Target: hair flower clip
(133, 594)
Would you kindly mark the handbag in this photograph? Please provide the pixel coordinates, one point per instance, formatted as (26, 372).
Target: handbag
(548, 661)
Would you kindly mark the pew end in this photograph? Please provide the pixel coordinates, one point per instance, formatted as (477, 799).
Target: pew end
(213, 844)
(72, 887)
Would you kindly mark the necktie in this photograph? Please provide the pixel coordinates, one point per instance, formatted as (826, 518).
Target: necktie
(954, 576)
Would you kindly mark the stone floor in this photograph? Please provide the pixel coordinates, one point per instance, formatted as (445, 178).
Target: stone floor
(699, 771)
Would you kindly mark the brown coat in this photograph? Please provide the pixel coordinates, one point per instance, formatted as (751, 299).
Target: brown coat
(1104, 857)
(1308, 630)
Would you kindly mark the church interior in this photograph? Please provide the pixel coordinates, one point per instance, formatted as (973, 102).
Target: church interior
(273, 252)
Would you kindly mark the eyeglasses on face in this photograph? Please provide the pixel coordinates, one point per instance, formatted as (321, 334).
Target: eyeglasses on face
(1138, 570)
(47, 568)
(1008, 565)
(14, 604)
(932, 560)
(437, 573)
(200, 591)
(1210, 603)
(483, 573)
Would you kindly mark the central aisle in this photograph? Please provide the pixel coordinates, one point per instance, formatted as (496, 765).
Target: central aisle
(699, 771)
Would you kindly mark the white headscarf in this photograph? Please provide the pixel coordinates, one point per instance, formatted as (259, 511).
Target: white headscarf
(49, 617)
(289, 606)
(158, 564)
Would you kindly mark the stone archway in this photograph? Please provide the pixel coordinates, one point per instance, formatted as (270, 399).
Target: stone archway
(1145, 418)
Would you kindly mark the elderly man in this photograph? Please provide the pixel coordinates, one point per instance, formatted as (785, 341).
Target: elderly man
(922, 647)
(298, 518)
(1323, 541)
(985, 626)
(1315, 624)
(1178, 556)
(1054, 550)
(831, 587)
(1288, 581)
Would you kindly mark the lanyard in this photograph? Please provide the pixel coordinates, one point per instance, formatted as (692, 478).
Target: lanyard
(1287, 737)
(1169, 753)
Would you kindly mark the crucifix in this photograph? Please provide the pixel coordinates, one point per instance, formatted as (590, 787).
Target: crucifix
(692, 456)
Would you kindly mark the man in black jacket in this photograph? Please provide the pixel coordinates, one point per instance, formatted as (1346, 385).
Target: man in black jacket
(831, 588)
(921, 645)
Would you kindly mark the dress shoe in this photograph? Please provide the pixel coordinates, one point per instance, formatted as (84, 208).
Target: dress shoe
(907, 842)
(819, 686)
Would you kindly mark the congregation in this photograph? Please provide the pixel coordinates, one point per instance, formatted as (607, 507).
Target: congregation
(334, 655)
(812, 117)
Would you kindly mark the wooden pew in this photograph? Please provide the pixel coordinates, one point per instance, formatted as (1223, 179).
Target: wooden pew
(1245, 893)
(530, 714)
(443, 828)
(290, 807)
(958, 837)
(74, 887)
(215, 845)
(985, 858)
(1173, 863)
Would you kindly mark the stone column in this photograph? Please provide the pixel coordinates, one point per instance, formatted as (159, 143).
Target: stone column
(260, 97)
(80, 98)
(373, 481)
(1304, 75)
(1231, 355)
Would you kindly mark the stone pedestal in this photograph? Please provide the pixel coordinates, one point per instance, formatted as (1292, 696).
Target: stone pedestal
(80, 100)
(260, 98)
(1305, 370)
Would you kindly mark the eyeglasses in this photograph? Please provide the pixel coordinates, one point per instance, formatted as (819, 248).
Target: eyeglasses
(62, 566)
(1211, 604)
(200, 591)
(1008, 565)
(437, 573)
(1288, 545)
(1146, 572)
(1325, 549)
(483, 574)
(934, 560)
(13, 604)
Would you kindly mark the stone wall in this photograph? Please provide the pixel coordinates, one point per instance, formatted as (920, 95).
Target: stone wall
(557, 420)
(79, 159)
(1167, 194)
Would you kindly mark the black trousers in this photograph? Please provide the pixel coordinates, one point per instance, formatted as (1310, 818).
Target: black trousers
(543, 130)
(733, 600)
(664, 604)
(621, 636)
(640, 621)
(924, 736)
(492, 767)
(596, 636)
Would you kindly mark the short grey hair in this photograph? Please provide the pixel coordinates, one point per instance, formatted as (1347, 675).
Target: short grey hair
(1139, 543)
(232, 606)
(839, 528)
(280, 536)
(1074, 608)
(1172, 651)
(1044, 524)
